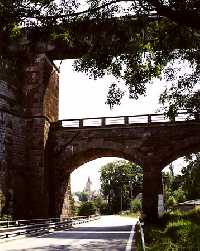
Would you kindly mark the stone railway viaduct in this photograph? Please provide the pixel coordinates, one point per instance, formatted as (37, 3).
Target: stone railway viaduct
(152, 145)
(37, 154)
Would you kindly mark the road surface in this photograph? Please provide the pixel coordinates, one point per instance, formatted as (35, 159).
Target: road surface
(109, 233)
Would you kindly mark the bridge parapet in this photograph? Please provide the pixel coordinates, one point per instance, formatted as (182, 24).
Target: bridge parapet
(125, 120)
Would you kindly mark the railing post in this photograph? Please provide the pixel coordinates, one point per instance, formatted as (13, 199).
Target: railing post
(80, 123)
(103, 121)
(149, 118)
(126, 120)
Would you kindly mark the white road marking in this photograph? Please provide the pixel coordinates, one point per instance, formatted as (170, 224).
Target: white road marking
(130, 240)
(98, 232)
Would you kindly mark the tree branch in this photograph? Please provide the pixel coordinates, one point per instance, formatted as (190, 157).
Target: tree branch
(187, 18)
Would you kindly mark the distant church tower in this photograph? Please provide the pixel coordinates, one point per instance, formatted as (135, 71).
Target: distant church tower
(87, 188)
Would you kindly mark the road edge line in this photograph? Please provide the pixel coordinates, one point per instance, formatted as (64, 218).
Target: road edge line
(130, 240)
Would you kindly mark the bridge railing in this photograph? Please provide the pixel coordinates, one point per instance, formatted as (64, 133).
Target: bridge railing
(125, 120)
(40, 226)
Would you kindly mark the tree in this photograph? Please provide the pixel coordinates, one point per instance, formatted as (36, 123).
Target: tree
(166, 33)
(173, 188)
(120, 182)
(186, 185)
(87, 208)
(191, 177)
(101, 204)
(159, 46)
(135, 205)
(82, 196)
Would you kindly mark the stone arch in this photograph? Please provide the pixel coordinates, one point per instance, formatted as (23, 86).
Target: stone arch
(61, 174)
(81, 157)
(180, 151)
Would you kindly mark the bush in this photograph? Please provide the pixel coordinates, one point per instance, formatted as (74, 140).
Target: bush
(179, 195)
(171, 201)
(178, 231)
(135, 205)
(104, 209)
(87, 208)
(184, 232)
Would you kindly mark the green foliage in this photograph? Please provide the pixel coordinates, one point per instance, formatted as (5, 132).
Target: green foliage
(15, 32)
(87, 208)
(153, 55)
(101, 204)
(173, 189)
(135, 205)
(61, 36)
(179, 195)
(103, 209)
(179, 231)
(82, 196)
(191, 177)
(165, 35)
(170, 202)
(120, 182)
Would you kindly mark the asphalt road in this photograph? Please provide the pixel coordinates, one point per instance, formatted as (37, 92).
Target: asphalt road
(113, 233)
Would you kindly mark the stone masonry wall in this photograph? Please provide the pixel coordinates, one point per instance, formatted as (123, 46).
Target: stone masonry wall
(12, 150)
(25, 117)
(41, 108)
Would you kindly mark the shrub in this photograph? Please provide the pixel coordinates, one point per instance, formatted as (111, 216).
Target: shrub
(104, 209)
(179, 195)
(171, 201)
(135, 205)
(87, 208)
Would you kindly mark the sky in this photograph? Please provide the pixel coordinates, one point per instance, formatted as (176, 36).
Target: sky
(81, 97)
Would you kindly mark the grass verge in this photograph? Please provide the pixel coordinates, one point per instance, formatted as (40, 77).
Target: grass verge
(177, 231)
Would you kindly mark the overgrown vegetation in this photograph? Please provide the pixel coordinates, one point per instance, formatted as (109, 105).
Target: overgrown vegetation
(184, 186)
(177, 231)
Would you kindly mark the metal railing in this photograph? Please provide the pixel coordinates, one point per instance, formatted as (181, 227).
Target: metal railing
(10, 229)
(126, 120)
(141, 235)
(17, 223)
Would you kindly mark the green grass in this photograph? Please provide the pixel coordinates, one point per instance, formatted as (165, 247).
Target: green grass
(177, 231)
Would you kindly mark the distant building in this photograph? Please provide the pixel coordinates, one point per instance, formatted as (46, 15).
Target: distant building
(88, 188)
(88, 185)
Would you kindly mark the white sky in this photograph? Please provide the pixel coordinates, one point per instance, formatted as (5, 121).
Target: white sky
(81, 97)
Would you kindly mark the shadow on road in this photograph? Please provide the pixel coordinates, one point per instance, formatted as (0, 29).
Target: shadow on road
(115, 245)
(83, 238)
(106, 233)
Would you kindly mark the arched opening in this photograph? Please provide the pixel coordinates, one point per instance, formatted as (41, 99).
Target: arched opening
(181, 182)
(90, 169)
(111, 183)
(122, 186)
